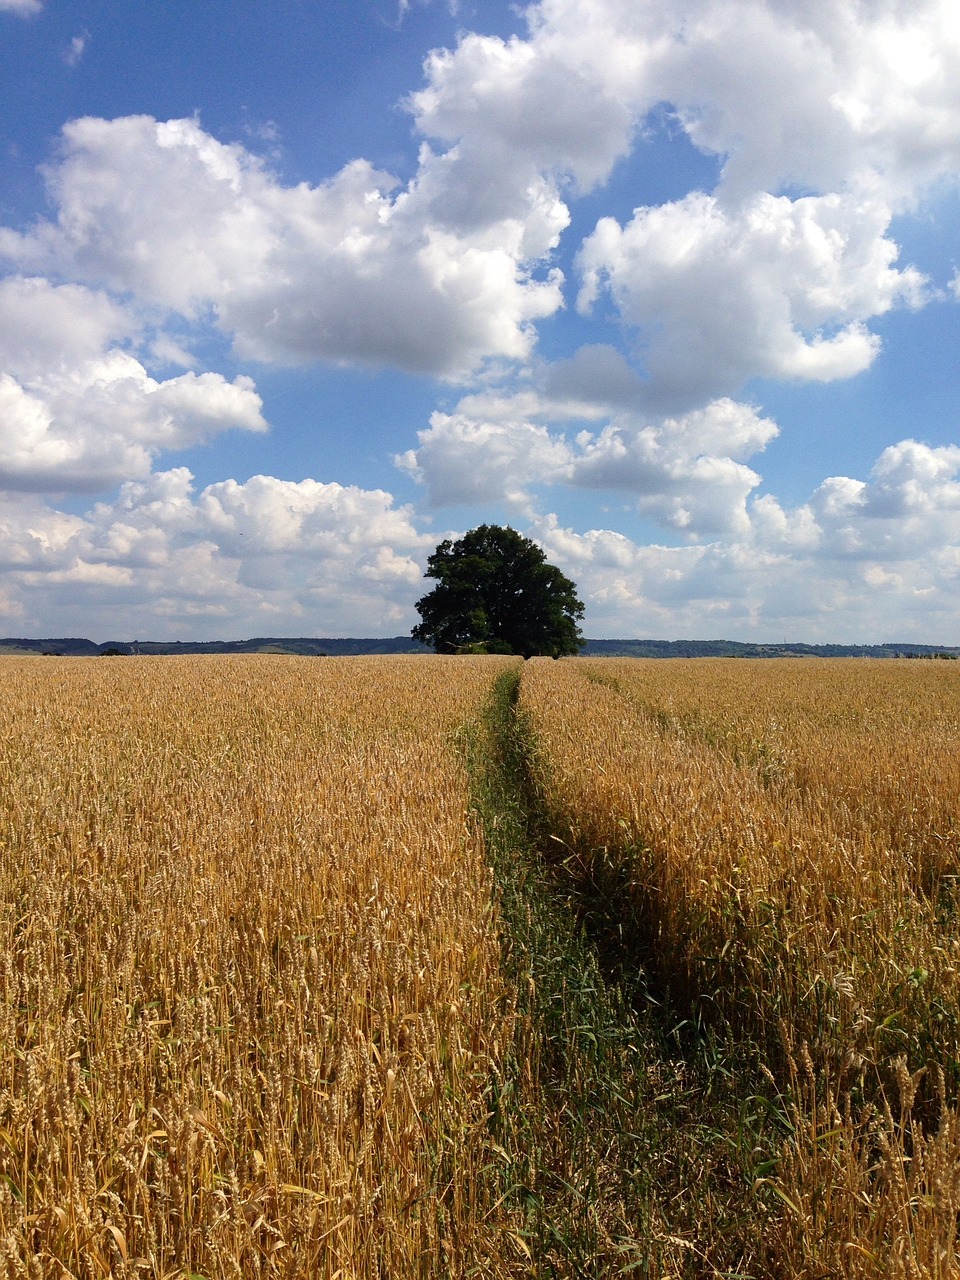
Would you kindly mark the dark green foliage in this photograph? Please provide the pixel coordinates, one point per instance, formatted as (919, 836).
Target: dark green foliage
(498, 594)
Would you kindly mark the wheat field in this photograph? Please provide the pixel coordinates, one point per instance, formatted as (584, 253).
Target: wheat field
(249, 989)
(788, 833)
(255, 1013)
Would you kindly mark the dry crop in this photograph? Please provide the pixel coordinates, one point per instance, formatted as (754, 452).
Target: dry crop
(788, 836)
(253, 1014)
(249, 984)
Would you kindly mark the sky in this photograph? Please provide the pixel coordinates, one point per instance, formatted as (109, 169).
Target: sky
(292, 290)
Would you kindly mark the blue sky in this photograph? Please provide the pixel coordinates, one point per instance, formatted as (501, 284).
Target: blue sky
(291, 290)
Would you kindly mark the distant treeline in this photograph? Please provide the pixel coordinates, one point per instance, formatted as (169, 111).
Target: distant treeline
(330, 647)
(738, 649)
(306, 647)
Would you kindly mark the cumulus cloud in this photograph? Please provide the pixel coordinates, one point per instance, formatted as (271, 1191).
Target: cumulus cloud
(461, 459)
(33, 536)
(780, 288)
(854, 104)
(591, 382)
(52, 328)
(25, 8)
(345, 271)
(97, 425)
(908, 507)
(688, 473)
(796, 94)
(267, 556)
(528, 105)
(79, 412)
(821, 96)
(860, 561)
(631, 589)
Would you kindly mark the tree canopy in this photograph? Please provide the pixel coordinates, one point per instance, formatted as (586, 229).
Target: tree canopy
(497, 593)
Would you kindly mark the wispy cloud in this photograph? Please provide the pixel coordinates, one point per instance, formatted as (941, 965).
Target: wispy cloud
(403, 8)
(25, 8)
(75, 49)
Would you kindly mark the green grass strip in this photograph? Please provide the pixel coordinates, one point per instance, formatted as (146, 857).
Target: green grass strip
(563, 1114)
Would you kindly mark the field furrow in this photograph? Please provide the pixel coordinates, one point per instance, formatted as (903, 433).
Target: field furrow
(786, 839)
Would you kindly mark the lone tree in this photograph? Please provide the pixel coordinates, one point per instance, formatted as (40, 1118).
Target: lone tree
(498, 594)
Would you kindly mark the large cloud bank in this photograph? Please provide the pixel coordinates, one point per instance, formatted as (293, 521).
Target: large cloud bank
(827, 123)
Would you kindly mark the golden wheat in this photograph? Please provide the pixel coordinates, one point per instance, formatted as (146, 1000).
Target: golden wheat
(790, 836)
(249, 988)
(251, 1004)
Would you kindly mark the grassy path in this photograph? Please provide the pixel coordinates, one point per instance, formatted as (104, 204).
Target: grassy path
(618, 1147)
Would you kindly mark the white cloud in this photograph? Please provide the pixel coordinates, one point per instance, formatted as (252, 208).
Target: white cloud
(780, 288)
(860, 562)
(33, 537)
(908, 508)
(80, 412)
(24, 8)
(403, 8)
(591, 382)
(165, 350)
(801, 93)
(854, 102)
(825, 97)
(76, 48)
(826, 120)
(527, 106)
(100, 423)
(685, 472)
(46, 328)
(914, 480)
(641, 591)
(343, 271)
(462, 459)
(268, 556)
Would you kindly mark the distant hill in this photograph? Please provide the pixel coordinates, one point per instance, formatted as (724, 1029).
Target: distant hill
(330, 647)
(305, 646)
(737, 649)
